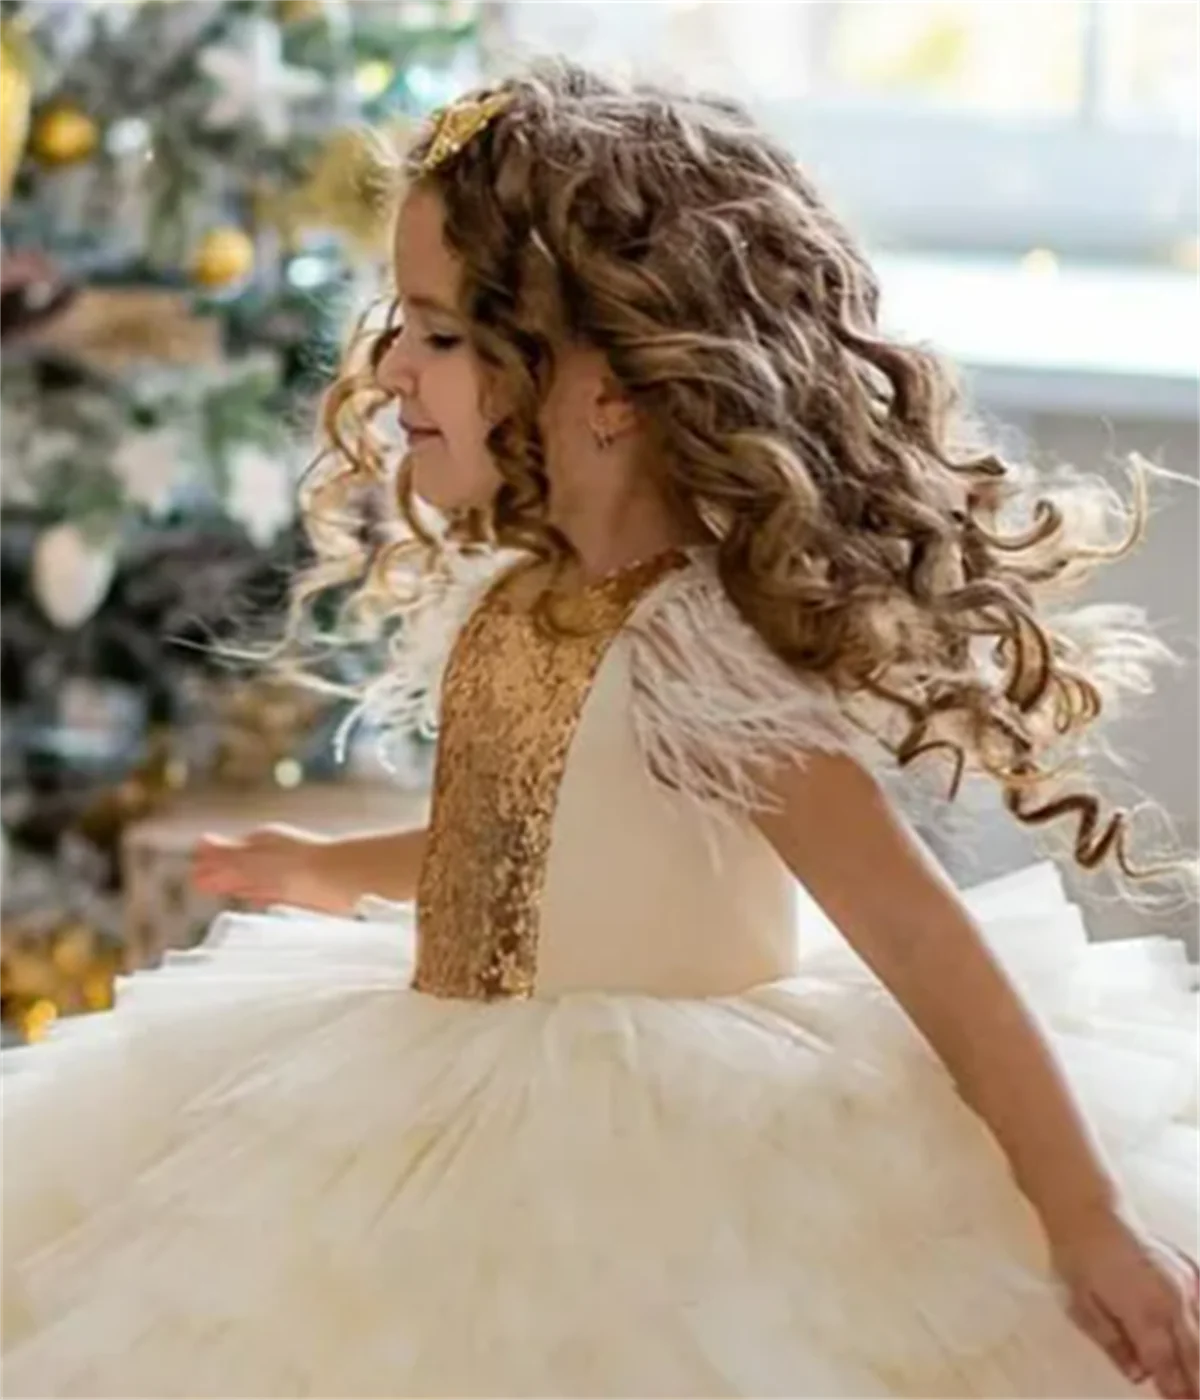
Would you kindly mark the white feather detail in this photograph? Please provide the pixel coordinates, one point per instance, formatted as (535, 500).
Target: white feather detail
(433, 605)
(714, 709)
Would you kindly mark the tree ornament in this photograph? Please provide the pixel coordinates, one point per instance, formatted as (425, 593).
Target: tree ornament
(147, 465)
(71, 574)
(63, 134)
(261, 495)
(15, 95)
(142, 791)
(299, 11)
(50, 969)
(225, 255)
(254, 84)
(264, 728)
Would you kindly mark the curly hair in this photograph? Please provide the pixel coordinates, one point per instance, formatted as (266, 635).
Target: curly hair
(858, 526)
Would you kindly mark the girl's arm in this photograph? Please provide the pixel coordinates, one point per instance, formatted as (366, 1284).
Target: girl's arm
(281, 865)
(839, 835)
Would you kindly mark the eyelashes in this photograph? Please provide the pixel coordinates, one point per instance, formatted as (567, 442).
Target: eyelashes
(438, 343)
(384, 341)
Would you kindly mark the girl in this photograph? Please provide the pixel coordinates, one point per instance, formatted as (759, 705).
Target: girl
(712, 570)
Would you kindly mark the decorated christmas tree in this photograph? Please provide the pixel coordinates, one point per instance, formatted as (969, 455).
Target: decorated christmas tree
(192, 213)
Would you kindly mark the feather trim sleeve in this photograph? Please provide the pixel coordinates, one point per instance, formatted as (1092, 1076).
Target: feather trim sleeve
(714, 709)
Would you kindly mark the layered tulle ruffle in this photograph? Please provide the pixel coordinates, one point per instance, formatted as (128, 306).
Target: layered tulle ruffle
(276, 1171)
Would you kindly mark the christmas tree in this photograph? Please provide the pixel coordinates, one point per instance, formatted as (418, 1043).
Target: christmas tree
(192, 214)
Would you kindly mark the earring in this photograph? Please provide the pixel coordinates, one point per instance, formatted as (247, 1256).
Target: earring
(603, 438)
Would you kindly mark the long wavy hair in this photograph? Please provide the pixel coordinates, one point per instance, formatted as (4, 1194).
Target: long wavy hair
(858, 525)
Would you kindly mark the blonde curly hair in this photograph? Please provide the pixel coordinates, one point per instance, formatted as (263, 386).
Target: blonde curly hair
(857, 527)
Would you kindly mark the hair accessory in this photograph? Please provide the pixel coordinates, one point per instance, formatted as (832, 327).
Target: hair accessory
(459, 123)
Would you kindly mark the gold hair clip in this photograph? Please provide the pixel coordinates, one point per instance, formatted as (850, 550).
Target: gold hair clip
(459, 123)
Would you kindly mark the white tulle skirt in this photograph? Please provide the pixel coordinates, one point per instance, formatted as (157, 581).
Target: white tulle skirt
(275, 1171)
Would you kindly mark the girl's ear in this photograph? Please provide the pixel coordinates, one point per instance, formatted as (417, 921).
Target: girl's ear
(614, 414)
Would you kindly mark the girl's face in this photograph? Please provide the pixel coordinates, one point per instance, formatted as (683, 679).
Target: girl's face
(432, 370)
(448, 403)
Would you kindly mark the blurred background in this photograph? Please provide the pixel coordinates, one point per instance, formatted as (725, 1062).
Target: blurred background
(190, 222)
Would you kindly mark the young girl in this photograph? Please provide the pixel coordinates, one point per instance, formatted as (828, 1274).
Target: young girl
(712, 572)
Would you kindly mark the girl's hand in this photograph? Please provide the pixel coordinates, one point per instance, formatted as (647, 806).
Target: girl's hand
(273, 865)
(1138, 1299)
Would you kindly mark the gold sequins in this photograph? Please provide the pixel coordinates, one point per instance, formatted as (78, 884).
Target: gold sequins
(513, 694)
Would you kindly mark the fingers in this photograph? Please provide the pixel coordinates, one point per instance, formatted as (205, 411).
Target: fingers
(1146, 1318)
(1108, 1336)
(229, 883)
(1187, 1351)
(216, 867)
(243, 869)
(1187, 1326)
(1153, 1336)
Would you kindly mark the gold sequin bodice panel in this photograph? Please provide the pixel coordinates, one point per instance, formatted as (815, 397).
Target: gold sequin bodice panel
(512, 697)
(555, 863)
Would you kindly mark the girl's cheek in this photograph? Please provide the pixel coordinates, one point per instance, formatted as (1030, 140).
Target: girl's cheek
(493, 398)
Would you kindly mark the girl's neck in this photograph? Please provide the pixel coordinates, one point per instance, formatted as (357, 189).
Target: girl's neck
(602, 555)
(611, 530)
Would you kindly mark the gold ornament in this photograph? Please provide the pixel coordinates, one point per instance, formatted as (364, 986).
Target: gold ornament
(27, 974)
(73, 950)
(225, 256)
(63, 134)
(458, 124)
(54, 964)
(99, 990)
(260, 726)
(299, 11)
(373, 77)
(50, 969)
(144, 789)
(36, 1022)
(15, 94)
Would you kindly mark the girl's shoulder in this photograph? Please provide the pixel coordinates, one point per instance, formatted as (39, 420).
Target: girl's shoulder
(714, 708)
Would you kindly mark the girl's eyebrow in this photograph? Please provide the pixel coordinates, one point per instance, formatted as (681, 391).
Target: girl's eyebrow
(427, 303)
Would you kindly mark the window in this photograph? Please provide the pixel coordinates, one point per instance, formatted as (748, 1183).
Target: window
(942, 125)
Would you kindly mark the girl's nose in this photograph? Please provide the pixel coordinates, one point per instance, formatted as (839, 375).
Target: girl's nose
(393, 368)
